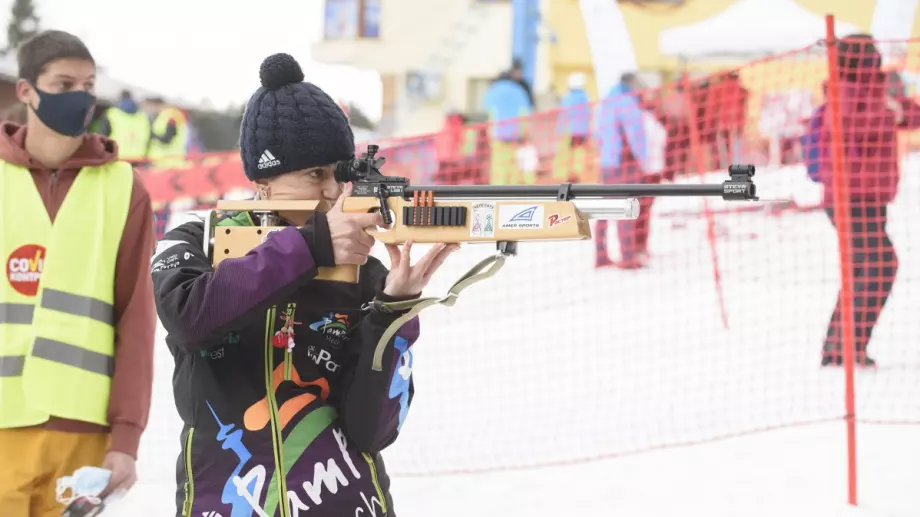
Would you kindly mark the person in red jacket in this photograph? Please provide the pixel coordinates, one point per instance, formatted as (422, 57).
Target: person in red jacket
(731, 101)
(871, 117)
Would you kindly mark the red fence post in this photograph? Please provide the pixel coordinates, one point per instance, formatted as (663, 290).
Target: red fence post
(699, 162)
(842, 216)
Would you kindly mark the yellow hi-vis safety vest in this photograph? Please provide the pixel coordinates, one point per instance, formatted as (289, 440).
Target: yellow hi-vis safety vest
(131, 131)
(171, 155)
(57, 334)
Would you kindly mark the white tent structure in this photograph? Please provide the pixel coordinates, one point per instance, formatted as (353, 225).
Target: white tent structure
(748, 29)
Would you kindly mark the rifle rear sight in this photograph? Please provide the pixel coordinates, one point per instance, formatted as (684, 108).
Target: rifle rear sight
(367, 180)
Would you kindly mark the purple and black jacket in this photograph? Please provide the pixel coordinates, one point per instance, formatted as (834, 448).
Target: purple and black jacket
(283, 415)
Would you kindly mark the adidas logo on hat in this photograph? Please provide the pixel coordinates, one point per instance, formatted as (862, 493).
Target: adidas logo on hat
(268, 160)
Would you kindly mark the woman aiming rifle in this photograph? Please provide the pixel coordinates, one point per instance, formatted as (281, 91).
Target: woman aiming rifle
(282, 411)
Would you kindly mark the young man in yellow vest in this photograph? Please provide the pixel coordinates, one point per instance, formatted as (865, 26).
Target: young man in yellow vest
(77, 320)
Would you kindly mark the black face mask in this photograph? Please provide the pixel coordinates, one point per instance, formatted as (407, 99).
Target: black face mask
(67, 113)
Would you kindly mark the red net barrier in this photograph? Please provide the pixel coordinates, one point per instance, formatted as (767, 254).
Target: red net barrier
(701, 320)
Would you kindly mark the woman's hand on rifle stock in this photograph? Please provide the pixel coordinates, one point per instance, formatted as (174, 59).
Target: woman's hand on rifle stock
(407, 280)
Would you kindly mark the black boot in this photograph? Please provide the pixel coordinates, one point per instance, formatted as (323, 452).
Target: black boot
(832, 356)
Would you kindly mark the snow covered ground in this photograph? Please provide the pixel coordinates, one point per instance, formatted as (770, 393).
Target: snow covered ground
(552, 363)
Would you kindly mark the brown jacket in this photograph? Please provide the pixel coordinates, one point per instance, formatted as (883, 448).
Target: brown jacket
(135, 313)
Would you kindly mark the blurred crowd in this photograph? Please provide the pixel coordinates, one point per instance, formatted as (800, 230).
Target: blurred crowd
(637, 134)
(645, 135)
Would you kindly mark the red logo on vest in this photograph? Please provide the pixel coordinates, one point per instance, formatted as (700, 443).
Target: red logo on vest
(24, 268)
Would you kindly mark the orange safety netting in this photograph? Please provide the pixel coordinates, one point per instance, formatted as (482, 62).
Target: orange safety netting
(766, 349)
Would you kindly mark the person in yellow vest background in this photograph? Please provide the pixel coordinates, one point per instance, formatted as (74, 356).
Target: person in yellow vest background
(129, 127)
(169, 134)
(77, 319)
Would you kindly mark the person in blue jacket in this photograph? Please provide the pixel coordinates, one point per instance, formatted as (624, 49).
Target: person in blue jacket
(623, 156)
(509, 107)
(286, 397)
(507, 101)
(573, 130)
(575, 111)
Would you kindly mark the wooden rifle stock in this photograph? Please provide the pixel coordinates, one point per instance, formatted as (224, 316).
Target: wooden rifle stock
(447, 221)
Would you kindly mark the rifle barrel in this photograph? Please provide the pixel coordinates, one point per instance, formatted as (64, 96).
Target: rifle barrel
(575, 191)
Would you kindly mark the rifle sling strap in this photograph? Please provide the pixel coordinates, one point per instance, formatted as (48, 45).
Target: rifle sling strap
(481, 271)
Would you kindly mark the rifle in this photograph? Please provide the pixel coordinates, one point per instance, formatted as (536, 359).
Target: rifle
(501, 214)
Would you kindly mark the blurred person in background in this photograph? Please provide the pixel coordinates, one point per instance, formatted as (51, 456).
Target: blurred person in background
(509, 105)
(447, 143)
(573, 130)
(669, 106)
(456, 144)
(517, 75)
(129, 127)
(169, 134)
(275, 383)
(623, 151)
(871, 116)
(727, 102)
(76, 307)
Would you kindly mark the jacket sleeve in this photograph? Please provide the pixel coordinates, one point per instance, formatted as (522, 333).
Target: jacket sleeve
(634, 129)
(373, 404)
(813, 151)
(135, 327)
(168, 134)
(911, 112)
(197, 303)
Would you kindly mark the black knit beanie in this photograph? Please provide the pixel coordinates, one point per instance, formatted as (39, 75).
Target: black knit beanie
(291, 125)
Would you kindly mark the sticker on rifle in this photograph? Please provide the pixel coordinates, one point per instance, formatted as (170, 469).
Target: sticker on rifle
(483, 220)
(269, 232)
(555, 220)
(520, 217)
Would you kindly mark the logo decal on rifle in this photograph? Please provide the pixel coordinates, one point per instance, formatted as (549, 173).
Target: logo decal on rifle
(555, 220)
(521, 217)
(483, 224)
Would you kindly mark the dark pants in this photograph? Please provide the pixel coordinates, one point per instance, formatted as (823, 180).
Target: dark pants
(875, 265)
(632, 234)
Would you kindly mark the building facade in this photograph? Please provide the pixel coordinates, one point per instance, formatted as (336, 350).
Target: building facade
(433, 56)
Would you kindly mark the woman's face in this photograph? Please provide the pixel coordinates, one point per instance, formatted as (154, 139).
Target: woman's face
(314, 184)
